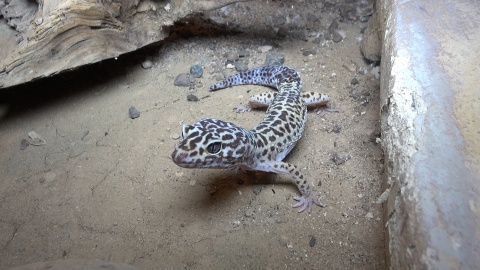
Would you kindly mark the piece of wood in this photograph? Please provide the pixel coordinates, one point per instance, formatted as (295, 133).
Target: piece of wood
(39, 39)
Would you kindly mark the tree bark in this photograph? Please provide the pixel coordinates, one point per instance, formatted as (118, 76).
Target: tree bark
(42, 38)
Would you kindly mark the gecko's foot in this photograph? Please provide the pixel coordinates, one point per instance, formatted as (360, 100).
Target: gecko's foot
(242, 108)
(307, 202)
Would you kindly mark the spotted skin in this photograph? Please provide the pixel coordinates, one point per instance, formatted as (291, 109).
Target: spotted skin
(213, 143)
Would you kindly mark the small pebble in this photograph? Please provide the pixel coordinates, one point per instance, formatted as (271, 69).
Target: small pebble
(354, 81)
(336, 129)
(374, 135)
(133, 112)
(183, 79)
(232, 56)
(265, 48)
(274, 59)
(309, 52)
(243, 53)
(339, 160)
(24, 144)
(376, 72)
(175, 136)
(311, 20)
(319, 39)
(196, 70)
(333, 26)
(249, 213)
(218, 20)
(312, 241)
(36, 139)
(241, 66)
(336, 36)
(192, 98)
(147, 64)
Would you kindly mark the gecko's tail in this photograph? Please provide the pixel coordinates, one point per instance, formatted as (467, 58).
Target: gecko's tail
(268, 75)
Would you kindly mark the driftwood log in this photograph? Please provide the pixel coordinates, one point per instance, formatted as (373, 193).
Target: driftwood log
(44, 37)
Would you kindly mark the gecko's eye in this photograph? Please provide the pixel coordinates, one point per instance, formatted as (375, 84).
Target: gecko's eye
(214, 147)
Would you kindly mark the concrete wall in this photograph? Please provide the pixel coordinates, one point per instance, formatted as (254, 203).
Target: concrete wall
(430, 115)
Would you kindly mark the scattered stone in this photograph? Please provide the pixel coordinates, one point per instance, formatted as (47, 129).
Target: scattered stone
(147, 64)
(167, 7)
(354, 81)
(362, 70)
(175, 136)
(365, 207)
(265, 48)
(369, 215)
(230, 66)
(336, 129)
(311, 21)
(24, 144)
(309, 52)
(361, 97)
(36, 139)
(274, 59)
(183, 79)
(232, 56)
(359, 10)
(249, 213)
(196, 70)
(376, 72)
(243, 53)
(312, 241)
(133, 112)
(375, 135)
(319, 39)
(333, 26)
(192, 98)
(350, 67)
(241, 66)
(336, 36)
(339, 160)
(218, 20)
(383, 197)
(371, 45)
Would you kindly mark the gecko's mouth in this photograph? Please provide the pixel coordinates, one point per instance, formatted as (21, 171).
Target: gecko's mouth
(184, 161)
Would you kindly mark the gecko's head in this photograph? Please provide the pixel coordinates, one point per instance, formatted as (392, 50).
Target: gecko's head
(211, 143)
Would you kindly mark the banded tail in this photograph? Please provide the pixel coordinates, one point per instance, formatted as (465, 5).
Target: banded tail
(271, 76)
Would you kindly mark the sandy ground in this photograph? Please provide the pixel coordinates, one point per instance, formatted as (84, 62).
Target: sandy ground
(104, 186)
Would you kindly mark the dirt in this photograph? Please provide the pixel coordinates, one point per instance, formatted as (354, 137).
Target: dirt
(103, 185)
